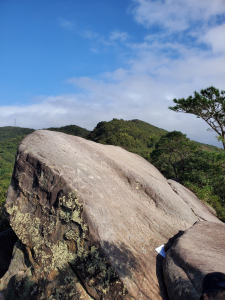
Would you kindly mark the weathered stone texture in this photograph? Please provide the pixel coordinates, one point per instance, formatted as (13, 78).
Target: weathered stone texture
(199, 251)
(89, 218)
(200, 209)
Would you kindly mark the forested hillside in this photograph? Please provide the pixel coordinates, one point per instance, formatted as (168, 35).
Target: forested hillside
(71, 129)
(9, 132)
(198, 166)
(8, 148)
(135, 135)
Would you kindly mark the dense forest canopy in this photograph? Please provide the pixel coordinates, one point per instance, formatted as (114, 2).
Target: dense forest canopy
(9, 132)
(198, 166)
(135, 135)
(71, 129)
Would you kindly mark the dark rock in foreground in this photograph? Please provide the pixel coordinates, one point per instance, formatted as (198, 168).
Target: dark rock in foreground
(8, 239)
(199, 251)
(89, 218)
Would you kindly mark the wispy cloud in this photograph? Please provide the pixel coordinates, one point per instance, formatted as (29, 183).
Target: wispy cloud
(88, 34)
(67, 24)
(99, 43)
(176, 15)
(118, 35)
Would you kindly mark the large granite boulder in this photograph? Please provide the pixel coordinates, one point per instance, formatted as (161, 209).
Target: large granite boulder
(198, 251)
(88, 218)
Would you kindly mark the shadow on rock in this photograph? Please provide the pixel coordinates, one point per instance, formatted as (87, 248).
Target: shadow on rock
(123, 259)
(159, 266)
(170, 242)
(90, 276)
(159, 274)
(7, 240)
(4, 222)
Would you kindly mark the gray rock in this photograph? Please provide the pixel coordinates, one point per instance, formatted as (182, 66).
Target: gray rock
(198, 251)
(199, 208)
(89, 217)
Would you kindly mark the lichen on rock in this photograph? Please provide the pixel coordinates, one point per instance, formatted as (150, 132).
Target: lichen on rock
(72, 251)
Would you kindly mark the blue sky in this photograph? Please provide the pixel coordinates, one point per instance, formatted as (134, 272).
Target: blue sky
(81, 62)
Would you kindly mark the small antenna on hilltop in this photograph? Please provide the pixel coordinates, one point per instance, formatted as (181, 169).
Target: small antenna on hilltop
(15, 123)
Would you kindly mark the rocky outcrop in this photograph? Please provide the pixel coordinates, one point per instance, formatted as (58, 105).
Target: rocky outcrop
(199, 251)
(7, 240)
(200, 209)
(88, 218)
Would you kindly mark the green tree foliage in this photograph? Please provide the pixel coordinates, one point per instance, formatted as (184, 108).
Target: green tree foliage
(171, 152)
(9, 132)
(135, 136)
(201, 171)
(8, 148)
(5, 176)
(135, 128)
(205, 174)
(72, 130)
(209, 105)
(122, 139)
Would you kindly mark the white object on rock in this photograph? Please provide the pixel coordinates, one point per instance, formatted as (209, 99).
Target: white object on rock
(161, 250)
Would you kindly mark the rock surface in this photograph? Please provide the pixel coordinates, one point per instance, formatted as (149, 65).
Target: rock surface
(89, 218)
(7, 240)
(199, 208)
(199, 251)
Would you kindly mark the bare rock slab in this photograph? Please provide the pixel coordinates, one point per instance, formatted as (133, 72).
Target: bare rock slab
(199, 251)
(200, 209)
(89, 218)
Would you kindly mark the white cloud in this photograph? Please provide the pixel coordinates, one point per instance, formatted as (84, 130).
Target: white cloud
(215, 37)
(88, 34)
(66, 24)
(117, 75)
(176, 15)
(117, 35)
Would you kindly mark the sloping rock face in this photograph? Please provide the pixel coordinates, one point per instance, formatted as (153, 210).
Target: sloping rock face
(199, 208)
(199, 251)
(89, 218)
